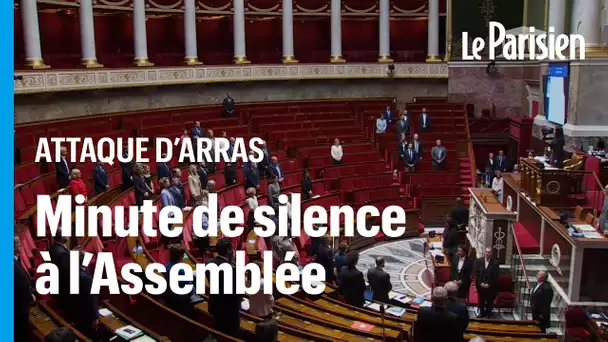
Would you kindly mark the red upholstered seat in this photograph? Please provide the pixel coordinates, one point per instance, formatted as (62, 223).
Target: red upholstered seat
(576, 322)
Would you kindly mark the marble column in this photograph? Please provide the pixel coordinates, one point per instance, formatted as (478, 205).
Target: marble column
(433, 32)
(336, 32)
(87, 35)
(384, 54)
(588, 21)
(287, 16)
(140, 34)
(557, 16)
(239, 32)
(31, 35)
(191, 57)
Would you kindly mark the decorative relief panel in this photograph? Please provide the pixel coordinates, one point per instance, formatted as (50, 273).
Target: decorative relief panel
(71, 80)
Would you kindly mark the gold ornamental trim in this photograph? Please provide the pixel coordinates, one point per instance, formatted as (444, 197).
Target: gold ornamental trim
(51, 80)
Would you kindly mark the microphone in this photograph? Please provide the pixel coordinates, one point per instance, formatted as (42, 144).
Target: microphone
(382, 317)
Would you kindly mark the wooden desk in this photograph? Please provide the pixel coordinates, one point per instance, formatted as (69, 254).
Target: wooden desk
(118, 320)
(45, 320)
(552, 215)
(446, 261)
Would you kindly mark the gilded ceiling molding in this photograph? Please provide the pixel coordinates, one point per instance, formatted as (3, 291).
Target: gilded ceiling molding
(306, 10)
(360, 11)
(165, 7)
(417, 10)
(264, 10)
(209, 8)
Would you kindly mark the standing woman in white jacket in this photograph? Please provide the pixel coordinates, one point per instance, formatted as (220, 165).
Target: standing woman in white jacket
(336, 152)
(195, 185)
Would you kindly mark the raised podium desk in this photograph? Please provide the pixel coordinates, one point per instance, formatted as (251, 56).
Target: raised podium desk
(545, 184)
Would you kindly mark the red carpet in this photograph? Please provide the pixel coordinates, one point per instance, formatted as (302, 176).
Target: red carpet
(527, 242)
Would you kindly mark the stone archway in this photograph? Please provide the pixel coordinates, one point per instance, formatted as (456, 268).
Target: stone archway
(534, 94)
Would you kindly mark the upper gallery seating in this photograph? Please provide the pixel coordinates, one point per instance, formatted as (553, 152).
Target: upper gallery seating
(364, 178)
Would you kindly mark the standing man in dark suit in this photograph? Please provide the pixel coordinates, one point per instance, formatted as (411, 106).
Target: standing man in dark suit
(491, 163)
(388, 115)
(417, 146)
(460, 213)
(203, 174)
(85, 305)
(324, 256)
(450, 238)
(197, 131)
(224, 307)
(60, 257)
(540, 300)
(425, 121)
(252, 177)
(403, 125)
(379, 281)
(274, 169)
(163, 169)
(486, 274)
(461, 268)
(502, 162)
(439, 155)
(452, 304)
(100, 178)
(265, 162)
(127, 172)
(228, 106)
(23, 296)
(352, 284)
(436, 323)
(402, 147)
(62, 169)
(410, 158)
(230, 173)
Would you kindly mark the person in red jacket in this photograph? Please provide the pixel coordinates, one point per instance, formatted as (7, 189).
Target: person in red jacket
(77, 186)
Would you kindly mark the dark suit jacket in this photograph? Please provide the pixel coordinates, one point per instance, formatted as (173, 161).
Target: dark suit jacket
(352, 286)
(127, 172)
(228, 104)
(225, 307)
(450, 239)
(140, 189)
(100, 177)
(428, 122)
(491, 164)
(486, 275)
(252, 178)
(84, 303)
(460, 214)
(464, 275)
(306, 188)
(410, 159)
(273, 171)
(436, 324)
(388, 115)
(163, 170)
(502, 163)
(380, 283)
(60, 257)
(203, 176)
(461, 311)
(403, 126)
(23, 291)
(325, 257)
(229, 173)
(62, 173)
(540, 300)
(419, 150)
(401, 149)
(197, 131)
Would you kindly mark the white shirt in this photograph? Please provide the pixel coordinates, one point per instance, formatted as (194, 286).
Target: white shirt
(486, 262)
(497, 184)
(537, 286)
(460, 263)
(260, 304)
(252, 202)
(423, 119)
(336, 152)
